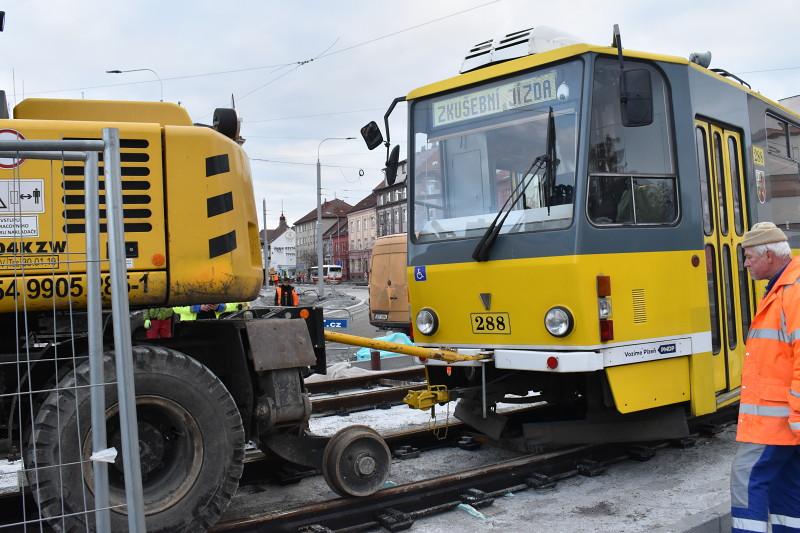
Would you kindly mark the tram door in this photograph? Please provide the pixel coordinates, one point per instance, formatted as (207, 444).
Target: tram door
(724, 224)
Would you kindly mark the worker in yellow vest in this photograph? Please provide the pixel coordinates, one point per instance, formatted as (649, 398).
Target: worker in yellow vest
(206, 311)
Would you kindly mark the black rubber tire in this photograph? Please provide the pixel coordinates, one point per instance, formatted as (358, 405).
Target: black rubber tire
(208, 473)
(226, 121)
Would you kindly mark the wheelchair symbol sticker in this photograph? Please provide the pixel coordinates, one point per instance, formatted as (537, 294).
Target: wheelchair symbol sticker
(420, 274)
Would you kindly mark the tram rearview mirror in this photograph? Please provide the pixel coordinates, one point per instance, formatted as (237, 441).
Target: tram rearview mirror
(636, 98)
(372, 135)
(391, 165)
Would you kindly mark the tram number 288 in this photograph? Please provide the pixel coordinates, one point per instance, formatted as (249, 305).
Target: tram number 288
(496, 323)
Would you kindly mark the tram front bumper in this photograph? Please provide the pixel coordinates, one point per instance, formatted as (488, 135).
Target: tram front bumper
(543, 361)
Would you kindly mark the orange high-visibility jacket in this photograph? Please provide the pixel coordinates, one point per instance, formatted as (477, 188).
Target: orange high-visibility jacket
(769, 409)
(286, 295)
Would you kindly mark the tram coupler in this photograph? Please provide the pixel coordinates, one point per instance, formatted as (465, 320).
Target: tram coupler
(427, 398)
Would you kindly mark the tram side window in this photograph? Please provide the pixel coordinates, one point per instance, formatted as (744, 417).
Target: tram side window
(616, 149)
(794, 142)
(631, 169)
(783, 181)
(632, 200)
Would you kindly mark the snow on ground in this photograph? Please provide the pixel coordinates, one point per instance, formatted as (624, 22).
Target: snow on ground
(630, 497)
(384, 421)
(9, 477)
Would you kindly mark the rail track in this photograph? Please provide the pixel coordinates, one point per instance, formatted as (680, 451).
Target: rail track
(369, 391)
(396, 508)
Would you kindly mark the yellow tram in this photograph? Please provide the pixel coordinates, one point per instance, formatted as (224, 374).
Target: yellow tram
(576, 215)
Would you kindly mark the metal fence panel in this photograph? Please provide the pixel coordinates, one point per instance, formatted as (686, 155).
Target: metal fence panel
(58, 389)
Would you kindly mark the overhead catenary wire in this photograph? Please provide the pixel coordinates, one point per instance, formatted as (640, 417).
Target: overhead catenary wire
(298, 64)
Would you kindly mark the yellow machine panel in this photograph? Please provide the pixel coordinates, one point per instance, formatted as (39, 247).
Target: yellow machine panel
(213, 230)
(194, 175)
(163, 113)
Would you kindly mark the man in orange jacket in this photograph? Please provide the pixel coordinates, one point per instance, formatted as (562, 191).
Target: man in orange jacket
(286, 295)
(765, 478)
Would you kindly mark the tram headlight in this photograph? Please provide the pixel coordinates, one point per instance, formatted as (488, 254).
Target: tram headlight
(559, 321)
(427, 321)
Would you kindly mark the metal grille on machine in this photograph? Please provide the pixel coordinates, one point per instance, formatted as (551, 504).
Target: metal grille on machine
(135, 197)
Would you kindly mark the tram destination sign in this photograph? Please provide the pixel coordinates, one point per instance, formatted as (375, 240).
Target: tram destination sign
(486, 102)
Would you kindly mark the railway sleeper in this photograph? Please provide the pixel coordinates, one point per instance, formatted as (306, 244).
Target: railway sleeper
(314, 528)
(539, 481)
(590, 468)
(406, 452)
(395, 520)
(640, 452)
(476, 498)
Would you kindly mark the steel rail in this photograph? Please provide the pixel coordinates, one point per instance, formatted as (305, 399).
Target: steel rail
(414, 373)
(392, 508)
(363, 400)
(441, 493)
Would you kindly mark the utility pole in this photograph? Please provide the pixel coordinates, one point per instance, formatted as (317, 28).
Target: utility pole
(266, 247)
(318, 233)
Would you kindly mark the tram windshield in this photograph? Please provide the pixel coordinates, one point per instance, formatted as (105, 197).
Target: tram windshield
(473, 147)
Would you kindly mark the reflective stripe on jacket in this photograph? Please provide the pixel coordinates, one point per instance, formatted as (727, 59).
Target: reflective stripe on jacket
(769, 410)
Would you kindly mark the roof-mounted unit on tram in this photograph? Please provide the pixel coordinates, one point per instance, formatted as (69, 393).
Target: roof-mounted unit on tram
(516, 44)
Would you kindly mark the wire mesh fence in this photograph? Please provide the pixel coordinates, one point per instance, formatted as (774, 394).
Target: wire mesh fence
(68, 415)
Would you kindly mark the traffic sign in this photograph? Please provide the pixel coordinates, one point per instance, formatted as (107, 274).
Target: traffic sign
(335, 323)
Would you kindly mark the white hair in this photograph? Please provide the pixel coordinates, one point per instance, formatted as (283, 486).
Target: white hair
(779, 249)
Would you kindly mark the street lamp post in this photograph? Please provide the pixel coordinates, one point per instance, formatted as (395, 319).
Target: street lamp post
(266, 247)
(320, 281)
(160, 81)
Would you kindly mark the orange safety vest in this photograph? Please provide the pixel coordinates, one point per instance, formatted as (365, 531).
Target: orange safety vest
(769, 408)
(280, 299)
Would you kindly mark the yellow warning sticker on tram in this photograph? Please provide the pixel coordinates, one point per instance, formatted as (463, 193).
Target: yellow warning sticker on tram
(758, 156)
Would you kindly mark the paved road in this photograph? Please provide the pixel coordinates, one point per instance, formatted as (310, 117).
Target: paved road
(341, 301)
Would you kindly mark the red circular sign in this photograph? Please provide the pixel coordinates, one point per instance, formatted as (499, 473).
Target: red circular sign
(10, 135)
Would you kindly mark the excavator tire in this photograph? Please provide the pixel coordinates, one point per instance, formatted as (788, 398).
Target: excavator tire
(191, 446)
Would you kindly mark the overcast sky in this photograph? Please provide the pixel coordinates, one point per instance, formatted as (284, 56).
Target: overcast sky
(367, 54)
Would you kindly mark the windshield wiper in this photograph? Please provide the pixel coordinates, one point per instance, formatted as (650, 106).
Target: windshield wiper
(548, 160)
(481, 252)
(550, 173)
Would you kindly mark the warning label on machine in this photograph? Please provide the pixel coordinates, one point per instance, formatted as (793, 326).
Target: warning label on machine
(21, 196)
(11, 227)
(29, 262)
